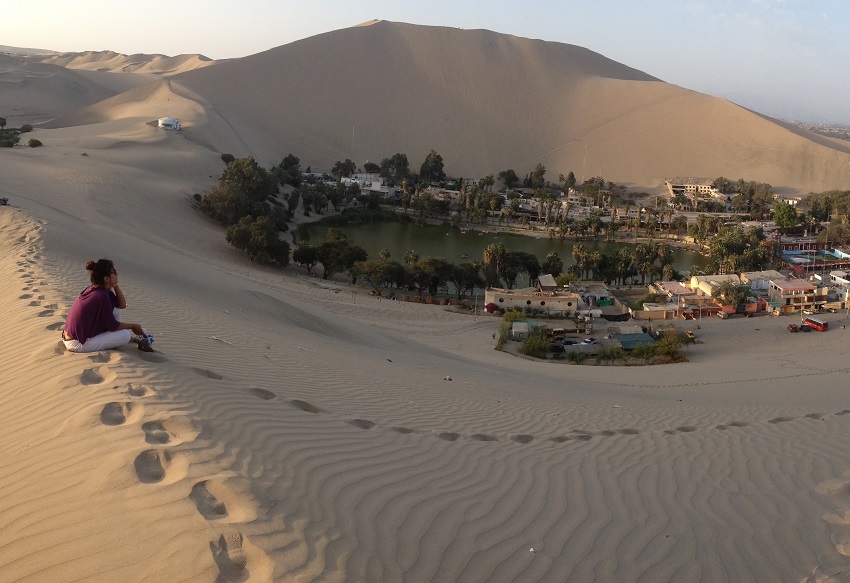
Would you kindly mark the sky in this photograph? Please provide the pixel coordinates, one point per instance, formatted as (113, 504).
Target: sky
(784, 58)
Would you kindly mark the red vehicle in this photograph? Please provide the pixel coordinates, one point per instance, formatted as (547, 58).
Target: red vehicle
(817, 324)
(793, 328)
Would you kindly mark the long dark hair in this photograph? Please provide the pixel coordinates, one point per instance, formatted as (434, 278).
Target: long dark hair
(98, 270)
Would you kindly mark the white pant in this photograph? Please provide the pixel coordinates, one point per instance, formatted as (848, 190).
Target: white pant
(103, 341)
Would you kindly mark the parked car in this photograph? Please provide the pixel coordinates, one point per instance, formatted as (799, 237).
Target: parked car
(568, 342)
(723, 315)
(808, 312)
(793, 328)
(589, 341)
(831, 310)
(805, 328)
(690, 334)
(556, 347)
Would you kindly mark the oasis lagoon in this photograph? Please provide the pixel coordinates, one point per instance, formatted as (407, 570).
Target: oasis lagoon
(457, 246)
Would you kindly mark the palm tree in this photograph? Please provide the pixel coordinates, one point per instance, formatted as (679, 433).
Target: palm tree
(411, 257)
(492, 262)
(579, 256)
(384, 254)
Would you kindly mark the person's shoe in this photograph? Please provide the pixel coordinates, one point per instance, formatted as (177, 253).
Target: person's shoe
(145, 345)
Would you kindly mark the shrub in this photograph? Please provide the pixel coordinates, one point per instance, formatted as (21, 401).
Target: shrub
(7, 141)
(576, 357)
(611, 353)
(536, 345)
(227, 158)
(26, 128)
(644, 351)
(33, 143)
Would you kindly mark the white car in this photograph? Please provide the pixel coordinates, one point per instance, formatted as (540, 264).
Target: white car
(589, 341)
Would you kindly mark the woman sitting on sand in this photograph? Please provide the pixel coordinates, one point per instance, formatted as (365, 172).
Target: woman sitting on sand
(94, 321)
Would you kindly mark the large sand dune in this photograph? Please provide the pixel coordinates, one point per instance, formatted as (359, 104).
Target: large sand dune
(288, 429)
(487, 102)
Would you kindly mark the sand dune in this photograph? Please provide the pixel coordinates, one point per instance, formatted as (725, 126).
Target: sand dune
(286, 430)
(109, 61)
(488, 102)
(289, 429)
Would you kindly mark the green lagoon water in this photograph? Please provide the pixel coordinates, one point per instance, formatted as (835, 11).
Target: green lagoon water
(452, 244)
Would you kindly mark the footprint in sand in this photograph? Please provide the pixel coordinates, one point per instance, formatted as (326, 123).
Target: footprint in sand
(484, 437)
(119, 413)
(561, 438)
(815, 416)
(25, 296)
(783, 419)
(104, 357)
(262, 394)
(230, 557)
(208, 505)
(55, 326)
(225, 500)
(449, 436)
(403, 430)
(362, 423)
(46, 313)
(205, 373)
(90, 377)
(629, 431)
(522, 438)
(152, 466)
(305, 406)
(607, 433)
(171, 431)
(844, 412)
(135, 390)
(686, 429)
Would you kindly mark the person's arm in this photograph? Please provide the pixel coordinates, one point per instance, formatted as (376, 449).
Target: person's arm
(136, 328)
(122, 301)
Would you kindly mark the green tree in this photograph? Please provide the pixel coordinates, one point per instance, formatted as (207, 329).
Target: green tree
(432, 168)
(378, 273)
(248, 177)
(508, 178)
(466, 277)
(305, 256)
(289, 170)
(371, 168)
(537, 176)
(553, 265)
(492, 260)
(2, 123)
(344, 169)
(395, 168)
(785, 216)
(338, 255)
(259, 238)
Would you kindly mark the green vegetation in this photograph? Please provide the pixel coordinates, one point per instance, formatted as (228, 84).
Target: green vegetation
(245, 202)
(258, 237)
(33, 143)
(536, 345)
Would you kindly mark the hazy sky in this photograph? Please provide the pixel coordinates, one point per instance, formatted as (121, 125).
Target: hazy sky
(785, 58)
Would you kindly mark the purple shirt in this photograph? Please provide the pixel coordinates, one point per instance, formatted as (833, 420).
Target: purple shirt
(91, 314)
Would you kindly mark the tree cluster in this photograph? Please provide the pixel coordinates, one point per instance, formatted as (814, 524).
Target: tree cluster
(245, 202)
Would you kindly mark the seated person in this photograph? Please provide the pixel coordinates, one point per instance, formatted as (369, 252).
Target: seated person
(94, 321)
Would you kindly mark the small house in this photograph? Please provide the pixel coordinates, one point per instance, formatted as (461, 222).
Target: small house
(168, 123)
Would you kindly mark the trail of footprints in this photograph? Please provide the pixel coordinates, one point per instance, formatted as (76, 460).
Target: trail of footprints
(161, 463)
(573, 435)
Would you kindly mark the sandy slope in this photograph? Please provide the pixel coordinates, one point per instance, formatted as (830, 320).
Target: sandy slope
(486, 102)
(294, 431)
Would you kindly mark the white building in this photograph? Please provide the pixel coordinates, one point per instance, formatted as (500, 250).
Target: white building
(168, 123)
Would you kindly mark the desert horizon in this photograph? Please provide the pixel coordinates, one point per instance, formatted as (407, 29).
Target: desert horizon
(294, 428)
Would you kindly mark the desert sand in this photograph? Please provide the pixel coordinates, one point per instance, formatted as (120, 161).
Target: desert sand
(288, 429)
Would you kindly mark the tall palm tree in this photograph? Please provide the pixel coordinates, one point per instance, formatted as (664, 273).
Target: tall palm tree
(492, 261)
